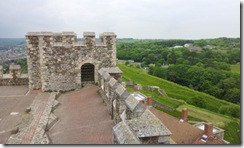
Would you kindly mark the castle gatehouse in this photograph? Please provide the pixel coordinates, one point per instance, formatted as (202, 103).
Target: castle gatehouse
(57, 61)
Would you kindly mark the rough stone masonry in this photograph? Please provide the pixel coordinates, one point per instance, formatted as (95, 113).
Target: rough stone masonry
(56, 61)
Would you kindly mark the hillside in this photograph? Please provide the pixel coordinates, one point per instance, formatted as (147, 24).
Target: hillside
(209, 112)
(172, 89)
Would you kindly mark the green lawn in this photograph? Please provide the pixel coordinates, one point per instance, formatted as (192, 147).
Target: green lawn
(235, 68)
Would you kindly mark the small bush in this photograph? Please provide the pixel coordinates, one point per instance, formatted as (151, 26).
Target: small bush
(127, 63)
(197, 101)
(230, 110)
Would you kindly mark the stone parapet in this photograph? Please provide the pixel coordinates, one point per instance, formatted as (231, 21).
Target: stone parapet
(134, 122)
(15, 71)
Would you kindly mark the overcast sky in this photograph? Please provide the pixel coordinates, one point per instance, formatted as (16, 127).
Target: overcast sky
(161, 19)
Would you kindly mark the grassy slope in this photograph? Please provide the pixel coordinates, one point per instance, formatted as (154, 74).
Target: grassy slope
(235, 68)
(164, 100)
(182, 93)
(172, 89)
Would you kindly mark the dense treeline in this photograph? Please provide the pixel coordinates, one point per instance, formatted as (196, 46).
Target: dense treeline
(206, 70)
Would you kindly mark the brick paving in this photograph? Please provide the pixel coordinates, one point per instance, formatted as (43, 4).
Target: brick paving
(7, 91)
(83, 119)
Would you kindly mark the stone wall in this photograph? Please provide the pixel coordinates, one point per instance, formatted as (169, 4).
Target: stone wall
(14, 77)
(134, 122)
(160, 105)
(55, 59)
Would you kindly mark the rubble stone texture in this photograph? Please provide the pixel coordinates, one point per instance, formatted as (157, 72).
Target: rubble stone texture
(55, 59)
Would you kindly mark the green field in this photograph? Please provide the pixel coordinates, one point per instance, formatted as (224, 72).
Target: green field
(209, 114)
(235, 68)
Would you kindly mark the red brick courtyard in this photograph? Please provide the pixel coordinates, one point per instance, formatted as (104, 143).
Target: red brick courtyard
(83, 119)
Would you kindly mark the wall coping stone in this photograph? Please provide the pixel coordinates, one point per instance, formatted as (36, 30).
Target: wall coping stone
(112, 82)
(124, 135)
(131, 102)
(15, 67)
(91, 34)
(106, 76)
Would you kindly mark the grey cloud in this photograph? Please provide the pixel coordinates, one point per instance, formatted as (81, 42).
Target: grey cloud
(127, 18)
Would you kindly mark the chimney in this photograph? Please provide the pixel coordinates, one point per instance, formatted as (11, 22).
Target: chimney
(184, 114)
(149, 101)
(208, 129)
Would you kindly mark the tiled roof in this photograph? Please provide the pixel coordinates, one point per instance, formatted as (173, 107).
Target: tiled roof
(182, 132)
(210, 140)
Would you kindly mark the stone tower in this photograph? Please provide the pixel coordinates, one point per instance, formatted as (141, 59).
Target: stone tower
(56, 61)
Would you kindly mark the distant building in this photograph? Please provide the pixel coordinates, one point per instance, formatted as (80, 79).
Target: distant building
(188, 45)
(131, 61)
(209, 47)
(175, 47)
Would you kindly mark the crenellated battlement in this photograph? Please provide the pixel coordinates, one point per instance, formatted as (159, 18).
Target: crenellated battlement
(15, 77)
(55, 60)
(70, 38)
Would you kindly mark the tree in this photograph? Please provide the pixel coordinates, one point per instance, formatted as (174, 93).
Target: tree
(234, 56)
(127, 63)
(151, 58)
(232, 95)
(194, 75)
(200, 43)
(150, 70)
(172, 57)
(159, 72)
(215, 91)
(177, 73)
(143, 64)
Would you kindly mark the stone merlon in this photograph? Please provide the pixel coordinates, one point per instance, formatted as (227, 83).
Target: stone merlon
(14, 67)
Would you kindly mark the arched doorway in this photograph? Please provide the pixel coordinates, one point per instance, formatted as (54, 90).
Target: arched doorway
(87, 73)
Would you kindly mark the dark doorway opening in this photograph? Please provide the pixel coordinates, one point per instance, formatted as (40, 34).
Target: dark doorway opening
(87, 73)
